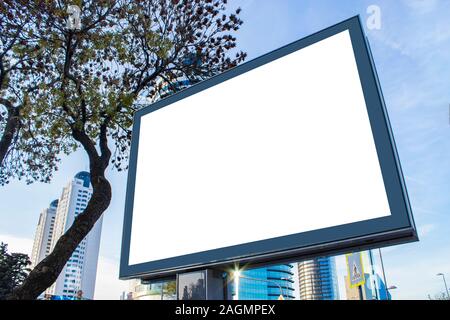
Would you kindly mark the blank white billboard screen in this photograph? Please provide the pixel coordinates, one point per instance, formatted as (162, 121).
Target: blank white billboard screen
(282, 149)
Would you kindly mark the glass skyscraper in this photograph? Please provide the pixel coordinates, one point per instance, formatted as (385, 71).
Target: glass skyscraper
(318, 279)
(266, 283)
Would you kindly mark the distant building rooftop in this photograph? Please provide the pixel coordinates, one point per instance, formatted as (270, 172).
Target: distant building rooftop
(85, 176)
(54, 203)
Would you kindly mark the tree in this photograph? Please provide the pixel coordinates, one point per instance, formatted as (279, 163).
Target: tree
(123, 54)
(13, 270)
(23, 153)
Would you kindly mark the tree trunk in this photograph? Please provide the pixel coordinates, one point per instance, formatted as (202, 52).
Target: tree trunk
(12, 125)
(48, 270)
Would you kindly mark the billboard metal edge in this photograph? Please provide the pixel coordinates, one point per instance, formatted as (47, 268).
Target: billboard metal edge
(334, 240)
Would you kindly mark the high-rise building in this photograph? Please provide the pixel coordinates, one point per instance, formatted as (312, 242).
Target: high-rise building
(44, 233)
(266, 283)
(80, 271)
(317, 279)
(381, 291)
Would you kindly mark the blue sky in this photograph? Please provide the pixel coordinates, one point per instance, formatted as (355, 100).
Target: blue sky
(411, 55)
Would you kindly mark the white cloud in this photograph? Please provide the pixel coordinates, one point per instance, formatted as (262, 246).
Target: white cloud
(108, 286)
(428, 212)
(421, 6)
(17, 244)
(425, 229)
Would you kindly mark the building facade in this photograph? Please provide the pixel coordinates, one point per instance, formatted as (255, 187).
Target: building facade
(317, 279)
(80, 271)
(156, 290)
(374, 287)
(382, 291)
(266, 283)
(363, 292)
(44, 234)
(369, 291)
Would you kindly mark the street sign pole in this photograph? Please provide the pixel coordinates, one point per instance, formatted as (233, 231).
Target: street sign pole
(361, 297)
(384, 275)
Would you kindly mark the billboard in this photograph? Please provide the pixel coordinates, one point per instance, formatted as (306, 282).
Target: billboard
(286, 156)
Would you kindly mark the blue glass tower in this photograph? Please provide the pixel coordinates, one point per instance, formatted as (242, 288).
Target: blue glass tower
(318, 279)
(265, 283)
(381, 291)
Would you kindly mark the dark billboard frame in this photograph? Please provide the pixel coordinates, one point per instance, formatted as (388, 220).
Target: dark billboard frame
(397, 228)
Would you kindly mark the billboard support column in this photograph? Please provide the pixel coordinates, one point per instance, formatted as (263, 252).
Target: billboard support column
(207, 284)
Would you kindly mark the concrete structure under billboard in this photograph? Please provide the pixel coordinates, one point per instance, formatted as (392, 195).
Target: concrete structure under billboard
(215, 161)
